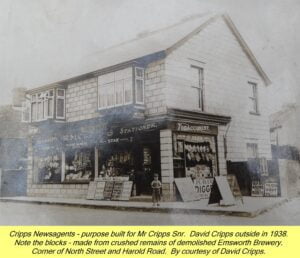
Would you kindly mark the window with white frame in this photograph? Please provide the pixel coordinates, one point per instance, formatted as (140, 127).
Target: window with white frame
(139, 85)
(41, 106)
(197, 79)
(116, 88)
(60, 103)
(253, 98)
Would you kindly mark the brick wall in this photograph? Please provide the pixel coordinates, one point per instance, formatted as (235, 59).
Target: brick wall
(227, 71)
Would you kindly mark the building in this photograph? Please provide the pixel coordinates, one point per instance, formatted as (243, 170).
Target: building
(284, 127)
(182, 101)
(285, 140)
(13, 147)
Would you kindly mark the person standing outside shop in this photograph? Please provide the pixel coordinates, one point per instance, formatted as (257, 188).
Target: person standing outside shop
(156, 190)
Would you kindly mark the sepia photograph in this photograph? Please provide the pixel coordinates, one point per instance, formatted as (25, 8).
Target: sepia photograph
(148, 112)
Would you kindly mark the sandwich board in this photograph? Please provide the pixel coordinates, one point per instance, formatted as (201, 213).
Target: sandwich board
(221, 192)
(187, 189)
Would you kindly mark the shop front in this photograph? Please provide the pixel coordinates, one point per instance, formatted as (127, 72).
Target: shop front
(67, 157)
(195, 154)
(73, 155)
(131, 151)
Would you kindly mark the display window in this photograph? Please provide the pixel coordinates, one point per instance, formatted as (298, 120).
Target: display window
(48, 167)
(79, 165)
(195, 156)
(113, 164)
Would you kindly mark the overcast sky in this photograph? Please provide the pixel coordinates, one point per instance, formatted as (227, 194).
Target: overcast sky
(43, 41)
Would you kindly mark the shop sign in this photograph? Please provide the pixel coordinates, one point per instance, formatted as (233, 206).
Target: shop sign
(271, 189)
(203, 186)
(193, 128)
(139, 128)
(186, 189)
(126, 133)
(221, 192)
(257, 189)
(60, 142)
(234, 186)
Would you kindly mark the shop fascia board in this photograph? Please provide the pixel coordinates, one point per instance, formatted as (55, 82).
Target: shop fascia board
(179, 115)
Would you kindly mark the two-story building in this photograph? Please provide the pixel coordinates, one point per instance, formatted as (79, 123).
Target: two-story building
(181, 101)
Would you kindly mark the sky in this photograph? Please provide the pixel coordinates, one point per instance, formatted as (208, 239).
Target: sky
(44, 41)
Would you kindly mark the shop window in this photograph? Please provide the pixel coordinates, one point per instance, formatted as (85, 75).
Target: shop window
(252, 151)
(79, 165)
(40, 106)
(115, 164)
(116, 88)
(195, 156)
(48, 168)
(198, 155)
(197, 79)
(253, 98)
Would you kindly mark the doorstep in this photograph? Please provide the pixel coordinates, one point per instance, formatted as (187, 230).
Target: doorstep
(251, 207)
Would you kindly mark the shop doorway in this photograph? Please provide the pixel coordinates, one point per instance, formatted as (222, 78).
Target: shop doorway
(138, 160)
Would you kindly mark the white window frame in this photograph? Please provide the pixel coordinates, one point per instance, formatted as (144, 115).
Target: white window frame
(200, 86)
(113, 84)
(254, 98)
(56, 103)
(46, 101)
(139, 78)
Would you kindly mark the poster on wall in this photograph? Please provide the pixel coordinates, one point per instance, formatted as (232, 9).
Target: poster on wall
(257, 189)
(271, 189)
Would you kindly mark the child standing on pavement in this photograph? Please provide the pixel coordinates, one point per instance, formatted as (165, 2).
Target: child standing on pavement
(156, 188)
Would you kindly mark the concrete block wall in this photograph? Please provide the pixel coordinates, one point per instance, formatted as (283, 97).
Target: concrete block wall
(81, 100)
(167, 171)
(227, 71)
(81, 97)
(155, 88)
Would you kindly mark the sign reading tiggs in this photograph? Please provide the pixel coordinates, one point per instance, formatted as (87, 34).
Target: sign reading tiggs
(192, 128)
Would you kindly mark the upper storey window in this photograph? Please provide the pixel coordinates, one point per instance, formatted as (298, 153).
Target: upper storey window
(253, 98)
(49, 104)
(121, 88)
(197, 79)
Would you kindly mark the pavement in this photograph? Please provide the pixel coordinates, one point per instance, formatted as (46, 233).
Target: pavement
(251, 206)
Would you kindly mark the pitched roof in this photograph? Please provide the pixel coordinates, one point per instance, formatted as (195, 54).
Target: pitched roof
(164, 41)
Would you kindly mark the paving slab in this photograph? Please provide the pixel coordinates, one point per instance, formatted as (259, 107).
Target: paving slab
(251, 206)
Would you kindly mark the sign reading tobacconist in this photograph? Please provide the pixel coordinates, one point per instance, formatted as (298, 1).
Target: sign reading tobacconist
(194, 128)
